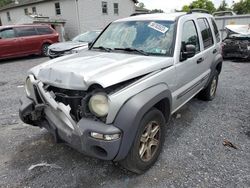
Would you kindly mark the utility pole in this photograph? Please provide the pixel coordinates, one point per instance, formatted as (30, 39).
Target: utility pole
(78, 17)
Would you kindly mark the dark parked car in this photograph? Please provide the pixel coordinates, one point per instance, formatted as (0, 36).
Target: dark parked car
(22, 40)
(77, 44)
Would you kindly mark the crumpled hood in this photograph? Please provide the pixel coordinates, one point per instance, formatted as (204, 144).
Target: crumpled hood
(64, 46)
(81, 70)
(239, 30)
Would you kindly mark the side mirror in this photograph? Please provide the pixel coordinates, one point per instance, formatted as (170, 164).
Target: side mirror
(90, 44)
(188, 51)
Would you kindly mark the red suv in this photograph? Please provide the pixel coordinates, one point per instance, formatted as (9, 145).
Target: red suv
(22, 40)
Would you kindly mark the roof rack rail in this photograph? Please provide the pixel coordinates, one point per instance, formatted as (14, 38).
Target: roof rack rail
(141, 13)
(198, 10)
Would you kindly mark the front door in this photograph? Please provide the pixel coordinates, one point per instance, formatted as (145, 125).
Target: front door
(9, 43)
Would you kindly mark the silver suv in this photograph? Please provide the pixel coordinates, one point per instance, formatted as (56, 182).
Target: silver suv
(114, 100)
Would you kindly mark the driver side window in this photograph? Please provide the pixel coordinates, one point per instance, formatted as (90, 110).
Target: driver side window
(7, 33)
(190, 36)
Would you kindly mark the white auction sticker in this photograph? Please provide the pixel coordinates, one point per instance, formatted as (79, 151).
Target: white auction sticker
(158, 27)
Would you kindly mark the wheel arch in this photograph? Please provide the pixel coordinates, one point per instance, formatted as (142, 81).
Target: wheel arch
(216, 66)
(164, 107)
(128, 118)
(44, 43)
(219, 66)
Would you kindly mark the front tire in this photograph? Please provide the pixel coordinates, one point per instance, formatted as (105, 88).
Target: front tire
(209, 92)
(147, 144)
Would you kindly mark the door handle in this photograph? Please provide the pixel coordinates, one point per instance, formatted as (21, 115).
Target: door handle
(214, 51)
(200, 60)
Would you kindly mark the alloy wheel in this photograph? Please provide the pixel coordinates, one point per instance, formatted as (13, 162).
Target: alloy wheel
(213, 87)
(149, 142)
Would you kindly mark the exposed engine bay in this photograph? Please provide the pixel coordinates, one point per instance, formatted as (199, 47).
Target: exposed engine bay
(237, 42)
(78, 100)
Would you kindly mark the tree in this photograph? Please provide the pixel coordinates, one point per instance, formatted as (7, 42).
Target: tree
(242, 7)
(141, 5)
(223, 6)
(4, 2)
(200, 4)
(185, 8)
(156, 11)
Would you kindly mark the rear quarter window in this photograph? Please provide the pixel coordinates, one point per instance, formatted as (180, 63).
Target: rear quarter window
(216, 31)
(206, 33)
(44, 30)
(26, 31)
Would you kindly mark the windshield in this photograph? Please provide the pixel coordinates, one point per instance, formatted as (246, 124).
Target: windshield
(151, 37)
(86, 37)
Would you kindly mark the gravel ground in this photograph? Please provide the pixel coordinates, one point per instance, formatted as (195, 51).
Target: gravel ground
(193, 154)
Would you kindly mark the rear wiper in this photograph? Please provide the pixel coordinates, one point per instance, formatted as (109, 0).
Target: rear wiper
(133, 50)
(103, 48)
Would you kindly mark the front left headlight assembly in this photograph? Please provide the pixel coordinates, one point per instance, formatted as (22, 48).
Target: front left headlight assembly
(99, 104)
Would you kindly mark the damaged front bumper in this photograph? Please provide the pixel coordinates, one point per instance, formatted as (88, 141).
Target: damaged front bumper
(236, 48)
(55, 117)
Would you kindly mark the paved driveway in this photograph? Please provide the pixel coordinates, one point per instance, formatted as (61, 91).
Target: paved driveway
(193, 154)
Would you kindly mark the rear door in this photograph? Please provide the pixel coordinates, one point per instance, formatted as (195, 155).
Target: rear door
(208, 44)
(9, 44)
(29, 39)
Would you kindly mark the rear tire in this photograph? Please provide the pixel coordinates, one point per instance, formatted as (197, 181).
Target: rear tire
(44, 50)
(147, 144)
(208, 93)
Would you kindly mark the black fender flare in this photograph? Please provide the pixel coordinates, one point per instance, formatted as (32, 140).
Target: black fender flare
(218, 59)
(129, 116)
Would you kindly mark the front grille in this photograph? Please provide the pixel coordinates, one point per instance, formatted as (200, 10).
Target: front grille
(73, 98)
(55, 53)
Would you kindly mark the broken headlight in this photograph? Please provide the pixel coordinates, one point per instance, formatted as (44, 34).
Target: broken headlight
(99, 104)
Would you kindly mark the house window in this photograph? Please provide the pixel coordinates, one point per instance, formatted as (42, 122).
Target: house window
(104, 7)
(26, 12)
(34, 10)
(58, 8)
(8, 16)
(116, 8)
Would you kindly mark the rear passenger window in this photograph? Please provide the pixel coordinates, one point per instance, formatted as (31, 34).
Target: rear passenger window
(44, 30)
(7, 33)
(206, 33)
(26, 31)
(216, 31)
(190, 36)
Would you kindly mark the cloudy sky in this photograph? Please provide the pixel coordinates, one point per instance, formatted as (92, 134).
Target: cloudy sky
(170, 5)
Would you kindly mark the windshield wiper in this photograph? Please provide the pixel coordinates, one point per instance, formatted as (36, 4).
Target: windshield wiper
(103, 48)
(133, 50)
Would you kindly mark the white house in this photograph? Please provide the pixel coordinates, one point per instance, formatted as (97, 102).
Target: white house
(80, 15)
